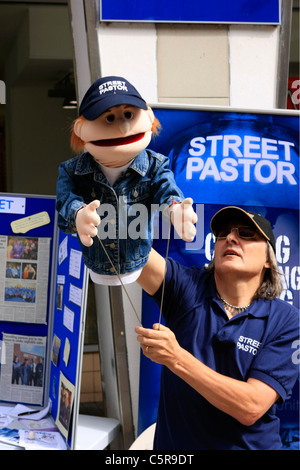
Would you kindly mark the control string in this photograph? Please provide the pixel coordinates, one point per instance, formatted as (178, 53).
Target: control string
(123, 285)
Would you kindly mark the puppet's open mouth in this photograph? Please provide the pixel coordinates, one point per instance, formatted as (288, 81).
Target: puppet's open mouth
(121, 141)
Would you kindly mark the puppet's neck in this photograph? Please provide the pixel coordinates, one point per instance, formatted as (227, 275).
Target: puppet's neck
(118, 163)
(112, 173)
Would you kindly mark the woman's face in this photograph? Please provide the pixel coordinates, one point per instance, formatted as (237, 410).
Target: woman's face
(244, 257)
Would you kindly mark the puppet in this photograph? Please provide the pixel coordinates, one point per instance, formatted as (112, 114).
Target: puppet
(108, 192)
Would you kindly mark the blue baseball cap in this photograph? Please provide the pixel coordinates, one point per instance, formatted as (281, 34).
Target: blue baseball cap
(107, 92)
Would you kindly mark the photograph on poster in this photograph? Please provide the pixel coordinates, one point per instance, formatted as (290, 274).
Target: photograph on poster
(59, 296)
(24, 273)
(55, 350)
(22, 368)
(65, 404)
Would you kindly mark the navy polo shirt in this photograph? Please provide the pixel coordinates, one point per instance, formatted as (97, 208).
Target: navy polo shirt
(256, 343)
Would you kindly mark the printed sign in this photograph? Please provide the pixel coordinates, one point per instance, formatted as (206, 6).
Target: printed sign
(12, 205)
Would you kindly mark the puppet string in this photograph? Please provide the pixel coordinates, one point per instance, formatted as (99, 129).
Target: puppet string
(121, 282)
(164, 280)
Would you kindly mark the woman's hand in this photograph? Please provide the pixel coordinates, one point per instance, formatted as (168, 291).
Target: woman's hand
(159, 344)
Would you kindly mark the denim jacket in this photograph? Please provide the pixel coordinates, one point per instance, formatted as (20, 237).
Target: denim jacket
(125, 235)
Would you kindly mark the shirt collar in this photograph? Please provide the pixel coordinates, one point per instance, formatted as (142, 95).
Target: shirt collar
(85, 164)
(141, 163)
(259, 308)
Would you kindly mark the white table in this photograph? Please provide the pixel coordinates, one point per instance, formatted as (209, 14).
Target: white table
(95, 433)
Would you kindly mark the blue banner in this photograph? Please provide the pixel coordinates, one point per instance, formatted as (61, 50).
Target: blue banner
(193, 11)
(224, 158)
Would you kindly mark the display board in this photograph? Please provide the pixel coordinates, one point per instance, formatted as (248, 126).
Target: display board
(70, 286)
(27, 244)
(42, 310)
(224, 157)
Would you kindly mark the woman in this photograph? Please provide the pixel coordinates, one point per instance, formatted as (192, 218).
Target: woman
(227, 344)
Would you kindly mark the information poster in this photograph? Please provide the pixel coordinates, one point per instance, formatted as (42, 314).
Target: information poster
(222, 158)
(27, 244)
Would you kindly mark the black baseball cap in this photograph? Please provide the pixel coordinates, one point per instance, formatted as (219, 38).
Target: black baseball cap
(107, 92)
(225, 215)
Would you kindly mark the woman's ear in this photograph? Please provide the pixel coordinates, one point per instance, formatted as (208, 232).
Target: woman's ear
(267, 264)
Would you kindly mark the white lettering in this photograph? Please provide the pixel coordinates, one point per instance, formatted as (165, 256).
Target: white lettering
(214, 139)
(287, 149)
(285, 170)
(247, 146)
(209, 246)
(271, 169)
(112, 85)
(296, 95)
(295, 277)
(296, 354)
(197, 143)
(210, 169)
(283, 249)
(193, 165)
(232, 142)
(231, 157)
(246, 163)
(267, 147)
(249, 345)
(230, 173)
(250, 144)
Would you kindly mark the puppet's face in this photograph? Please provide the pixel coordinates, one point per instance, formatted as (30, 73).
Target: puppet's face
(118, 135)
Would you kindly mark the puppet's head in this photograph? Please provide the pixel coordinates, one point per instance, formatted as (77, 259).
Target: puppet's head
(115, 123)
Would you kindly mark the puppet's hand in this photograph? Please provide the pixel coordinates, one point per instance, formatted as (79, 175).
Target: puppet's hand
(86, 222)
(183, 218)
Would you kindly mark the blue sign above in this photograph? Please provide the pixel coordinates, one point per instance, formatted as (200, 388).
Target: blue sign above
(193, 11)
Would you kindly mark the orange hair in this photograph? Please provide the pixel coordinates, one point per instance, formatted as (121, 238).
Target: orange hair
(77, 144)
(156, 127)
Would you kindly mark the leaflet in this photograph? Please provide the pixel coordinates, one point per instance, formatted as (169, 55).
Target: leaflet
(22, 369)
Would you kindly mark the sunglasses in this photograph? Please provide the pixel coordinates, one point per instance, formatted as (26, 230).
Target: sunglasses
(247, 233)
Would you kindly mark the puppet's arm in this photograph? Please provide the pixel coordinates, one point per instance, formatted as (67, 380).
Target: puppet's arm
(68, 201)
(184, 218)
(86, 221)
(73, 215)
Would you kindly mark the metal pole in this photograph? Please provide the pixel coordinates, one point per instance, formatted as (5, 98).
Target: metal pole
(118, 327)
(284, 53)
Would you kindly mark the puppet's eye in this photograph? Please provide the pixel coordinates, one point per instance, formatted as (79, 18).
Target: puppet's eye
(110, 118)
(128, 115)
